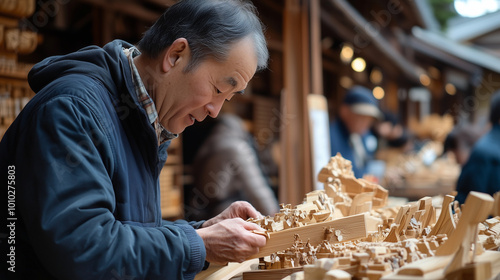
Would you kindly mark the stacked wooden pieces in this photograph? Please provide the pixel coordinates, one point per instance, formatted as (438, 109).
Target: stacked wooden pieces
(421, 256)
(351, 195)
(455, 257)
(338, 213)
(403, 238)
(341, 223)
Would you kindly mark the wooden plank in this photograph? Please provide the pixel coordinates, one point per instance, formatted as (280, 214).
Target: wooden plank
(225, 272)
(476, 208)
(352, 227)
(270, 274)
(434, 267)
(444, 215)
(295, 179)
(316, 53)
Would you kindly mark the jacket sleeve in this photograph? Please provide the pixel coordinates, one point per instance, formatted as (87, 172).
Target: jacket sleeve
(66, 199)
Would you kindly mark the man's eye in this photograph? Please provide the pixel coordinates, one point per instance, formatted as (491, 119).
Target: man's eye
(218, 91)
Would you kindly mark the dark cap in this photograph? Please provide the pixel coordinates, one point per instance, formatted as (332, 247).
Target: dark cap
(361, 101)
(495, 108)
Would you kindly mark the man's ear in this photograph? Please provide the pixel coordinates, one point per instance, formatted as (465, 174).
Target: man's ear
(176, 54)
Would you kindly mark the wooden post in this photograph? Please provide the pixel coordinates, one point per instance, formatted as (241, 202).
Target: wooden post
(295, 170)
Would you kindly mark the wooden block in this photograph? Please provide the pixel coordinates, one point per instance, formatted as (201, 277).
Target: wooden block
(425, 266)
(476, 208)
(425, 204)
(269, 274)
(359, 203)
(226, 272)
(496, 206)
(444, 216)
(433, 272)
(352, 227)
(480, 270)
(454, 254)
(337, 274)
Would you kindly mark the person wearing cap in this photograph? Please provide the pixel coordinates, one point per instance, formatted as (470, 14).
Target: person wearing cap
(350, 132)
(481, 172)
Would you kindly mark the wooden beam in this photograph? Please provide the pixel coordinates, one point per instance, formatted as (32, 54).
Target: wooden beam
(316, 53)
(128, 8)
(353, 16)
(309, 180)
(294, 150)
(161, 3)
(226, 272)
(351, 228)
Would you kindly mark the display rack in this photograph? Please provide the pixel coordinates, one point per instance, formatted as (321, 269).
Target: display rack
(14, 89)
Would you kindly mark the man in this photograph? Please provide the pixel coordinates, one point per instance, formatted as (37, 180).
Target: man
(85, 154)
(481, 172)
(349, 133)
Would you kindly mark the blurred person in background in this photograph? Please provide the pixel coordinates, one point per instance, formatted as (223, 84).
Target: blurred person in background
(228, 168)
(460, 141)
(350, 133)
(393, 139)
(481, 172)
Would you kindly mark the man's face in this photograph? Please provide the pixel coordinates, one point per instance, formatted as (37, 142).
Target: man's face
(183, 98)
(356, 123)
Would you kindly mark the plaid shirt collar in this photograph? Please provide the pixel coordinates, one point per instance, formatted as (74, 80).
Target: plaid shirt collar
(145, 100)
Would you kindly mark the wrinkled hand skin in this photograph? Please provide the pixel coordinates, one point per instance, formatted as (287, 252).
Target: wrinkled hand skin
(229, 238)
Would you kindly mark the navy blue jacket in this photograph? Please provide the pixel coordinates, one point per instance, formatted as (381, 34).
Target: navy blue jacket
(481, 173)
(86, 163)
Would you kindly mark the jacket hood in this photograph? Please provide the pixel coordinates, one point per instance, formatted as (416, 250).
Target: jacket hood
(106, 64)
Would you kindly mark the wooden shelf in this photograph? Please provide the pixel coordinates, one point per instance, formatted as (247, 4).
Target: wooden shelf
(171, 183)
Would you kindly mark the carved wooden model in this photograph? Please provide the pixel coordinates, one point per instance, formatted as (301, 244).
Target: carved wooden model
(345, 232)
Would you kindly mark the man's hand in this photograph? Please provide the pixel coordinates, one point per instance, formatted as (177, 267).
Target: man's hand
(238, 209)
(231, 240)
(228, 238)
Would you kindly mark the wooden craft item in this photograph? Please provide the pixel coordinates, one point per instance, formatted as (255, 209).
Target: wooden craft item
(270, 274)
(28, 42)
(496, 206)
(490, 258)
(428, 217)
(351, 228)
(445, 223)
(454, 253)
(226, 272)
(12, 39)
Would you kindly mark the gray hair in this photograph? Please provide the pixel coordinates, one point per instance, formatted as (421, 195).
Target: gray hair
(211, 27)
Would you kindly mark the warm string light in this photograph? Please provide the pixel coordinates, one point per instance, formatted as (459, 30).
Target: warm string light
(358, 64)
(450, 89)
(346, 53)
(378, 92)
